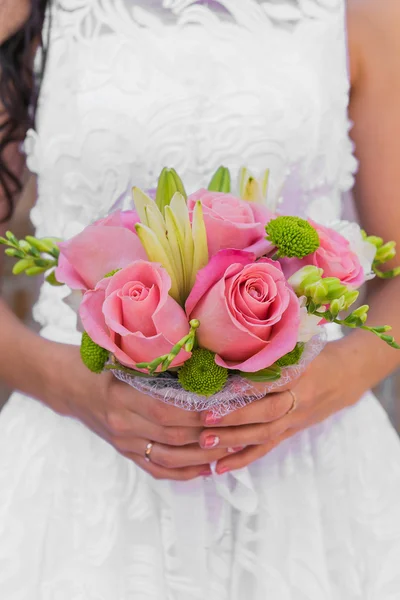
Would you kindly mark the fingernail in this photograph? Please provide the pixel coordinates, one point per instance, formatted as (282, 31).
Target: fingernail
(211, 441)
(206, 473)
(212, 419)
(237, 449)
(222, 470)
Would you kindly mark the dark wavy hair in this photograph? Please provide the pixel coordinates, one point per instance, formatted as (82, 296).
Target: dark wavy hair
(19, 91)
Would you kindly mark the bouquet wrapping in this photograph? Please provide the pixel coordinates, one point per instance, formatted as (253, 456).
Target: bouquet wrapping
(209, 301)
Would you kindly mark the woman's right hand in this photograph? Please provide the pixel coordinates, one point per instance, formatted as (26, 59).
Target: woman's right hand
(129, 420)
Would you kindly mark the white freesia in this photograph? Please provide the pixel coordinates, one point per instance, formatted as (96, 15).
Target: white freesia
(308, 323)
(365, 251)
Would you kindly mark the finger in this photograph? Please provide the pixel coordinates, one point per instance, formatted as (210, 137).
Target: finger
(268, 409)
(243, 435)
(177, 458)
(152, 409)
(124, 426)
(184, 474)
(249, 455)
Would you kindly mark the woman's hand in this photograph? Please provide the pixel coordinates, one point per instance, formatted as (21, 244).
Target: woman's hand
(326, 387)
(129, 420)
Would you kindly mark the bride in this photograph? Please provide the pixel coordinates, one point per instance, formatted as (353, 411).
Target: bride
(304, 501)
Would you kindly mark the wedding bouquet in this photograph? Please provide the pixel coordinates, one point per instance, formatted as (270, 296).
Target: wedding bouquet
(208, 301)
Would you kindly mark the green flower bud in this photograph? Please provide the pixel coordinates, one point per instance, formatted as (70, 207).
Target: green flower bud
(337, 305)
(25, 246)
(93, 356)
(386, 252)
(46, 245)
(11, 238)
(32, 271)
(293, 237)
(350, 297)
(318, 292)
(201, 375)
(221, 181)
(336, 289)
(361, 313)
(169, 183)
(291, 358)
(14, 253)
(304, 277)
(373, 239)
(22, 265)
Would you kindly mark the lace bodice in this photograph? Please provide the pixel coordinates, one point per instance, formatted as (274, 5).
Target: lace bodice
(132, 86)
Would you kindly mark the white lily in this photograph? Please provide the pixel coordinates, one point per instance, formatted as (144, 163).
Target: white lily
(171, 240)
(251, 188)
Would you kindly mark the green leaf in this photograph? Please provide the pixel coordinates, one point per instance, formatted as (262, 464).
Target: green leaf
(52, 280)
(271, 374)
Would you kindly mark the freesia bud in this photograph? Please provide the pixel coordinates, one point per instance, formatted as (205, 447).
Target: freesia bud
(386, 252)
(373, 239)
(361, 313)
(305, 276)
(350, 298)
(337, 305)
(318, 291)
(336, 289)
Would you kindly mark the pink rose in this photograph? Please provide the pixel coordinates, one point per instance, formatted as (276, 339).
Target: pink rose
(232, 223)
(132, 315)
(120, 218)
(334, 256)
(249, 315)
(108, 244)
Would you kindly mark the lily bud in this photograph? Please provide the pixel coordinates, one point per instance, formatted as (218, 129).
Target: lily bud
(221, 181)
(304, 277)
(169, 183)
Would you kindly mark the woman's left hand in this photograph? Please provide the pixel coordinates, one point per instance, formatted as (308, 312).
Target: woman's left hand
(327, 386)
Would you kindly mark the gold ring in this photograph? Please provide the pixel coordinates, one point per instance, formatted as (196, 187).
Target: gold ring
(295, 402)
(147, 452)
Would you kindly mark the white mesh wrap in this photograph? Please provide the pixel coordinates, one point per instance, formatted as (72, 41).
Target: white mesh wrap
(237, 393)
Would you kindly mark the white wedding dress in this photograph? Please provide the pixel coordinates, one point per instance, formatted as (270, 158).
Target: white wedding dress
(129, 88)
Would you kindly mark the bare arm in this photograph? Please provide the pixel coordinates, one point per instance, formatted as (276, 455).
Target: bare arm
(375, 111)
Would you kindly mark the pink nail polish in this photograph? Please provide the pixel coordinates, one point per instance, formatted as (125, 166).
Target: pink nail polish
(212, 419)
(211, 441)
(222, 470)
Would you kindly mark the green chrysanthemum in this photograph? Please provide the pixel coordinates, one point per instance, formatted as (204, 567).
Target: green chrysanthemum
(293, 237)
(201, 375)
(291, 358)
(93, 356)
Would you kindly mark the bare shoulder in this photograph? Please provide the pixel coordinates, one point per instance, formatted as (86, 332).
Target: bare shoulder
(13, 14)
(374, 40)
